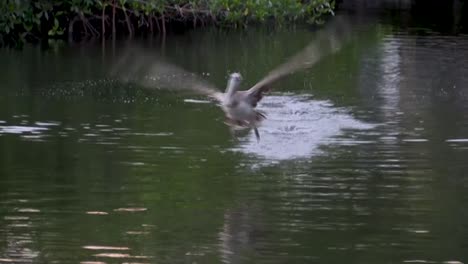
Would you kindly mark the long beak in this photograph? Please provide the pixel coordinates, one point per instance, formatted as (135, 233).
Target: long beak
(233, 84)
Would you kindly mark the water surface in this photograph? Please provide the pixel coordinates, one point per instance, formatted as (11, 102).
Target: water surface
(362, 158)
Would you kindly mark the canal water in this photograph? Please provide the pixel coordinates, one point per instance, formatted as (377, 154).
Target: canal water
(363, 157)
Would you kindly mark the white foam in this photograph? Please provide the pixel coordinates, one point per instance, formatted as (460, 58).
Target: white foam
(296, 126)
(195, 101)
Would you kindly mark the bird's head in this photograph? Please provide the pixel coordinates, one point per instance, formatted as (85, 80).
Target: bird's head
(235, 76)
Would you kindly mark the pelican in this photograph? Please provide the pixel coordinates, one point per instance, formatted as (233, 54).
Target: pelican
(239, 106)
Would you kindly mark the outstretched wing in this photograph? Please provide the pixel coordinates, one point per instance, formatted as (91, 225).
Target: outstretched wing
(144, 68)
(328, 41)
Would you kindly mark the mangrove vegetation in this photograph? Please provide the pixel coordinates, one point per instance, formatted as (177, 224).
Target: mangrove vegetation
(37, 20)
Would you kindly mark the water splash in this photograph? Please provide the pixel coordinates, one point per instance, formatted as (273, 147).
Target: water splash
(297, 126)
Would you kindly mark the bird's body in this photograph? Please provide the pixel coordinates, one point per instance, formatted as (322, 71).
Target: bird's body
(239, 106)
(241, 112)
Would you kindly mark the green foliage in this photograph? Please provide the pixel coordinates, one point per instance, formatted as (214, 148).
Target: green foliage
(25, 20)
(21, 20)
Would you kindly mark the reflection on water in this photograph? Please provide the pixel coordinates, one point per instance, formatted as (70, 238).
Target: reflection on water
(391, 77)
(21, 129)
(362, 158)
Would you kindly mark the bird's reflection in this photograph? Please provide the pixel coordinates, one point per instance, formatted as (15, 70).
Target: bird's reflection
(240, 233)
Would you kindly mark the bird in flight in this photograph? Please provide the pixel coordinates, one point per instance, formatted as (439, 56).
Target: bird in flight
(238, 105)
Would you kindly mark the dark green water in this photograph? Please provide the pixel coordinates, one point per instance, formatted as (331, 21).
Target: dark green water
(363, 158)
